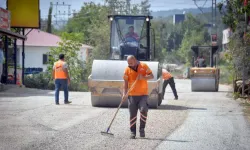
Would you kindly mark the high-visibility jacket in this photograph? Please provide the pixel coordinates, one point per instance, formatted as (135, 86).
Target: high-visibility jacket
(59, 70)
(166, 75)
(141, 86)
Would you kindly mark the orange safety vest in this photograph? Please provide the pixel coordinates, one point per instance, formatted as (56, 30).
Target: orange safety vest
(166, 75)
(141, 86)
(59, 72)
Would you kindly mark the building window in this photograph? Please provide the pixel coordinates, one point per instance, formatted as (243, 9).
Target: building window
(45, 59)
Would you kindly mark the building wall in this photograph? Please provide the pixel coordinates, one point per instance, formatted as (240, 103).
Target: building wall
(34, 56)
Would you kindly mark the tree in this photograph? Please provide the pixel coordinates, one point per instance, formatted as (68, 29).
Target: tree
(234, 16)
(173, 42)
(49, 26)
(145, 7)
(90, 17)
(70, 47)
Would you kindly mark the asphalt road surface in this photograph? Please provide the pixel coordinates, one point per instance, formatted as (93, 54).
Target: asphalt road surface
(208, 121)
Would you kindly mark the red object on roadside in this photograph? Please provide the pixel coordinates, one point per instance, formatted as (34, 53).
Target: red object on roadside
(245, 2)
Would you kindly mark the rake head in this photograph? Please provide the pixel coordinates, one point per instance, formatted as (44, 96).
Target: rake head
(107, 134)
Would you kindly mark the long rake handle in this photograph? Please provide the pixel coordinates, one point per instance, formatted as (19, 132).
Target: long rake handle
(122, 102)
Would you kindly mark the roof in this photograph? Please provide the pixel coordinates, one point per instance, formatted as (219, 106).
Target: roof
(37, 37)
(12, 34)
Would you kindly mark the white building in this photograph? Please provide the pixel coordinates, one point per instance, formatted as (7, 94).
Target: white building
(38, 43)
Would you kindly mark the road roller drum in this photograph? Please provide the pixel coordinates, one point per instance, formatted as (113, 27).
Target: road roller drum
(106, 83)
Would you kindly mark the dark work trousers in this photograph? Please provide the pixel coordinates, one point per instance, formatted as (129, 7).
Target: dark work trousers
(64, 84)
(135, 103)
(172, 85)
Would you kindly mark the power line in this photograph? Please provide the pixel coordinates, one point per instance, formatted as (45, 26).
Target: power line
(58, 11)
(195, 2)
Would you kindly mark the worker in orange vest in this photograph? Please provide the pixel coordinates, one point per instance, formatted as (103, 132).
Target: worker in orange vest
(61, 76)
(168, 79)
(138, 96)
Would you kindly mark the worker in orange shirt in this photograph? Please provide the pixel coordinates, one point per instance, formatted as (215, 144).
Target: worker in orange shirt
(168, 79)
(61, 76)
(138, 96)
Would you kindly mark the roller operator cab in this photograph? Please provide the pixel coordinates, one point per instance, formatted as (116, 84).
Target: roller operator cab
(204, 73)
(129, 35)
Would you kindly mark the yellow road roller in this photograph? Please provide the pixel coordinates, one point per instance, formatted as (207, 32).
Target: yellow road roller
(130, 35)
(203, 78)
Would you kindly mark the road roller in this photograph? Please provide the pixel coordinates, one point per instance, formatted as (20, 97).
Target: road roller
(106, 79)
(204, 78)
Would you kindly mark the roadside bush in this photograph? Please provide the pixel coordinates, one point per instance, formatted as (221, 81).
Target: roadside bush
(226, 76)
(39, 81)
(42, 81)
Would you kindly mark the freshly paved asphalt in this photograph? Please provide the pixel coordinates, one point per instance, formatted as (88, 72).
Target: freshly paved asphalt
(30, 120)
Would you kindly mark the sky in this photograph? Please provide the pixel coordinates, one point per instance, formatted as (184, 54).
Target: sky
(156, 5)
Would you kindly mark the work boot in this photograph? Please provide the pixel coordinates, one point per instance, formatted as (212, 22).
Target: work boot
(67, 102)
(132, 135)
(142, 133)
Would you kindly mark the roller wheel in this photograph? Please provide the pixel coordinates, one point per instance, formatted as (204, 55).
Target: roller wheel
(159, 99)
(95, 101)
(217, 86)
(153, 103)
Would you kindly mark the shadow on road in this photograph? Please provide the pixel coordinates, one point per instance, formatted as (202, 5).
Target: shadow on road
(174, 107)
(162, 139)
(156, 139)
(26, 92)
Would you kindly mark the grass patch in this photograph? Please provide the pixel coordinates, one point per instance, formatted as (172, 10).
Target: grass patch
(226, 76)
(177, 72)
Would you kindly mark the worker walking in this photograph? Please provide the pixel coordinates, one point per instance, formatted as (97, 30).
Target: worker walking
(137, 98)
(61, 76)
(168, 79)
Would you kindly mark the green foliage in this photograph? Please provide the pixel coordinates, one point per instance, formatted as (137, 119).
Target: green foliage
(234, 18)
(92, 21)
(39, 81)
(226, 75)
(237, 57)
(49, 26)
(88, 21)
(236, 95)
(234, 12)
(191, 38)
(145, 7)
(173, 42)
(42, 81)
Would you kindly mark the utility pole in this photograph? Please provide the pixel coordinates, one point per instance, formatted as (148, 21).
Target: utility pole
(213, 20)
(214, 23)
(58, 12)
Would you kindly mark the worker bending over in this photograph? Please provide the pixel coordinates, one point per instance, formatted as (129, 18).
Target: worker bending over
(138, 96)
(168, 79)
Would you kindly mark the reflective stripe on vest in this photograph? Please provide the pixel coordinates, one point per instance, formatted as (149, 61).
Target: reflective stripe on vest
(59, 73)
